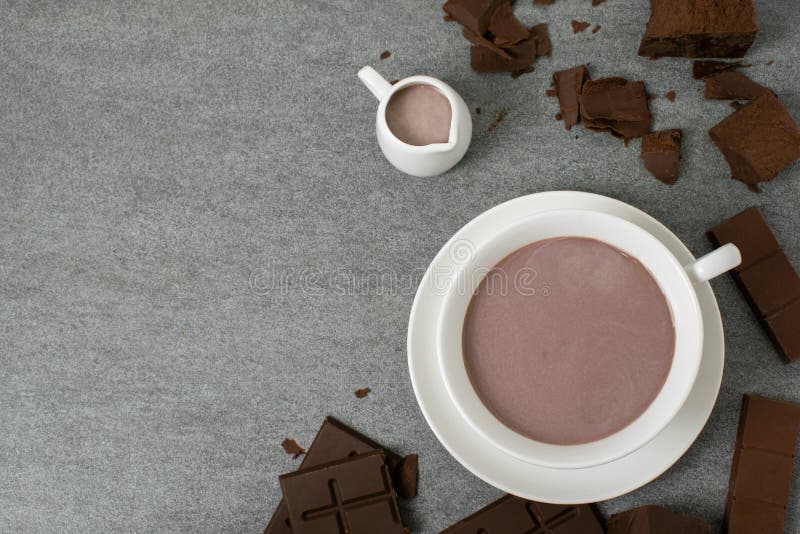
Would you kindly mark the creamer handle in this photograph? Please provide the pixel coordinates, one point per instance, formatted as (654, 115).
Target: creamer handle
(374, 82)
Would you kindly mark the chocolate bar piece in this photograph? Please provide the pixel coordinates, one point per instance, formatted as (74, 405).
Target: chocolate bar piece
(661, 154)
(761, 471)
(473, 14)
(617, 106)
(759, 140)
(655, 520)
(732, 85)
(336, 441)
(486, 43)
(699, 28)
(542, 38)
(351, 496)
(568, 84)
(766, 277)
(510, 514)
(506, 28)
(523, 54)
(702, 68)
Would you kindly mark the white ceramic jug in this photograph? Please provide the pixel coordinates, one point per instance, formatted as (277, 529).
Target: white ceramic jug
(427, 160)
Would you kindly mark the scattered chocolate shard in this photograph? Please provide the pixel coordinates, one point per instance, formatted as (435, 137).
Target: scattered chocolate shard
(385, 54)
(526, 70)
(567, 86)
(653, 520)
(759, 140)
(497, 120)
(291, 447)
(596, 28)
(473, 14)
(407, 476)
(704, 67)
(579, 26)
(699, 28)
(661, 154)
(483, 41)
(477, 111)
(670, 96)
(363, 392)
(616, 106)
(541, 37)
(732, 85)
(505, 27)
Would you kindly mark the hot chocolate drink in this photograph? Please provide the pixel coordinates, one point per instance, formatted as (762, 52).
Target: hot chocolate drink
(568, 340)
(419, 115)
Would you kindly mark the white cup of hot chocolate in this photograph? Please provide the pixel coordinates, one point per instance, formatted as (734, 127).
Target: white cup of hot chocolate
(571, 338)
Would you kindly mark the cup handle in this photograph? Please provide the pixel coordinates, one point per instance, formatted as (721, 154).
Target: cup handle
(714, 263)
(374, 82)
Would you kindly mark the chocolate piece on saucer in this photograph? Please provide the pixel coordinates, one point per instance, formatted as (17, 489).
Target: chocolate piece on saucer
(732, 85)
(510, 515)
(617, 106)
(761, 471)
(759, 140)
(568, 84)
(655, 520)
(336, 441)
(705, 67)
(351, 496)
(661, 154)
(473, 14)
(699, 28)
(505, 27)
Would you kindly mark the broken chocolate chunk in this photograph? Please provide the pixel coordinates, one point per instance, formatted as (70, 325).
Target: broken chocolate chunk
(568, 84)
(661, 154)
(699, 28)
(473, 14)
(616, 106)
(523, 54)
(291, 447)
(655, 520)
(578, 26)
(703, 67)
(497, 120)
(732, 85)
(362, 393)
(483, 41)
(542, 39)
(759, 140)
(505, 27)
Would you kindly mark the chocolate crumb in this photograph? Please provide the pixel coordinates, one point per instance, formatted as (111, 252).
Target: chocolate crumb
(291, 447)
(670, 96)
(363, 392)
(385, 54)
(737, 105)
(770, 62)
(497, 120)
(579, 26)
(408, 475)
(596, 28)
(520, 72)
(477, 111)
(597, 2)
(576, 136)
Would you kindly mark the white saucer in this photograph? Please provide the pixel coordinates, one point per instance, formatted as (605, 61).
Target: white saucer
(560, 486)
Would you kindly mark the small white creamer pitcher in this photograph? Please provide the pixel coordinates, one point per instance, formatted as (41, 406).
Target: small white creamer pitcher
(427, 160)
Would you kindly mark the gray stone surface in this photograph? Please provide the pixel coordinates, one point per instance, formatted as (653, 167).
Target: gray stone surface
(159, 160)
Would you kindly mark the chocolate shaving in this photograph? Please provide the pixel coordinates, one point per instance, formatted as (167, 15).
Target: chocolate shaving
(579, 26)
(363, 392)
(497, 120)
(596, 28)
(385, 54)
(291, 447)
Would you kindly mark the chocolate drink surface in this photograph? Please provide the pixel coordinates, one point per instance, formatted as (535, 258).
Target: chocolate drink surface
(568, 340)
(419, 115)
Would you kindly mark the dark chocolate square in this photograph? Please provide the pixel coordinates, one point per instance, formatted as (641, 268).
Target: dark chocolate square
(699, 28)
(473, 14)
(768, 424)
(617, 106)
(770, 284)
(762, 475)
(511, 514)
(759, 140)
(749, 232)
(352, 496)
(655, 520)
(784, 329)
(749, 516)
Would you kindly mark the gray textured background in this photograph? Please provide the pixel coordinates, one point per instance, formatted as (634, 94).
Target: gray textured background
(158, 160)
